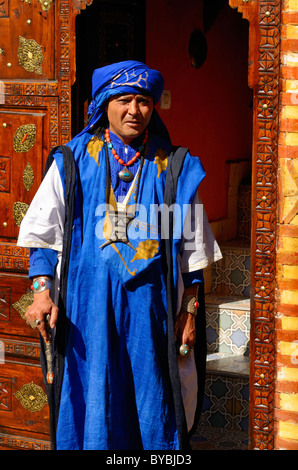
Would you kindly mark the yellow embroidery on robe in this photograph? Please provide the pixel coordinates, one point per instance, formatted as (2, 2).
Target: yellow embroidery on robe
(146, 250)
(161, 160)
(108, 229)
(94, 146)
(132, 273)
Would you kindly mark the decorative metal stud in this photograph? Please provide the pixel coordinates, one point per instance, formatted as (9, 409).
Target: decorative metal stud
(31, 397)
(9, 65)
(22, 304)
(4, 224)
(30, 55)
(28, 177)
(46, 4)
(24, 138)
(19, 212)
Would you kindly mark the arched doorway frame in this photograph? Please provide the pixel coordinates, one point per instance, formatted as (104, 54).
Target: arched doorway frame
(263, 78)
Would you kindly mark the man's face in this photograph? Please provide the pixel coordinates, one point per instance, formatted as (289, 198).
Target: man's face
(129, 115)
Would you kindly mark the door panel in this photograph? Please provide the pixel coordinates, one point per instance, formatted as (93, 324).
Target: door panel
(23, 401)
(30, 101)
(26, 40)
(37, 71)
(15, 297)
(21, 138)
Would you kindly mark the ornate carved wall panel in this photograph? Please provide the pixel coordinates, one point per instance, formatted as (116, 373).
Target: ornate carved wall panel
(264, 227)
(264, 17)
(14, 441)
(13, 258)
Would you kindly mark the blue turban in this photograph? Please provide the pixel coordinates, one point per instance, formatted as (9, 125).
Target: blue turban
(122, 77)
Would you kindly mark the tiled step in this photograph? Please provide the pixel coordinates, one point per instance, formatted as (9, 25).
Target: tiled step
(216, 438)
(231, 275)
(228, 366)
(228, 324)
(226, 400)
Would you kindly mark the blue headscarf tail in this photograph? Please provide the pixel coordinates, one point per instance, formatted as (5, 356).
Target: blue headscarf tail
(123, 77)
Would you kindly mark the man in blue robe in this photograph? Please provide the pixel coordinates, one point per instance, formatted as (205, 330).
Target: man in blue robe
(125, 277)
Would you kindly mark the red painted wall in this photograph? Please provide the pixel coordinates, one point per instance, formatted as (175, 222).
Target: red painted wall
(210, 107)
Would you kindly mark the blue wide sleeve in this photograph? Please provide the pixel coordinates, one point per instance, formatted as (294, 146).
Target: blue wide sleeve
(42, 262)
(193, 277)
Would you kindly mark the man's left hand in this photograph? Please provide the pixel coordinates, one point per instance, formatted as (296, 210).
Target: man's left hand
(185, 330)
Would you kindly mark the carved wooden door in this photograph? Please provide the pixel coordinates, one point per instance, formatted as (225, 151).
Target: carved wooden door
(37, 71)
(29, 98)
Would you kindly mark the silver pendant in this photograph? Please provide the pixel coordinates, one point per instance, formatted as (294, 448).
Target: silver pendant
(120, 221)
(125, 175)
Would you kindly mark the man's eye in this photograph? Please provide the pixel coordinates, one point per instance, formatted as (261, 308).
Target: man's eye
(123, 100)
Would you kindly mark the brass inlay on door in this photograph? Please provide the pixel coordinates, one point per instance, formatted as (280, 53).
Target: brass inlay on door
(19, 212)
(28, 177)
(31, 397)
(24, 138)
(46, 4)
(30, 55)
(22, 304)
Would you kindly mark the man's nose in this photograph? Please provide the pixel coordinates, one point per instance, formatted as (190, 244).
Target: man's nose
(133, 107)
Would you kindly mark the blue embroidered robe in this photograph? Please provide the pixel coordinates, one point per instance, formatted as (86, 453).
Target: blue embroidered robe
(116, 390)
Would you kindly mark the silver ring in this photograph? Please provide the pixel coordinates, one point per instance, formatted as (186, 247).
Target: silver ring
(38, 322)
(183, 350)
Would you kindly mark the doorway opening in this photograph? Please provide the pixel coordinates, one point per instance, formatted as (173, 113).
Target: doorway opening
(107, 31)
(201, 48)
(202, 51)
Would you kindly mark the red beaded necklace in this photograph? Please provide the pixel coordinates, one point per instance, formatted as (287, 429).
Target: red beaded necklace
(125, 174)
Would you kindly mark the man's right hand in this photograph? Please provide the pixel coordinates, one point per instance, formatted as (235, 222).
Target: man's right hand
(39, 309)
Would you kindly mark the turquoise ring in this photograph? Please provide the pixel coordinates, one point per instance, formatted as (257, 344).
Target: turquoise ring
(183, 350)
